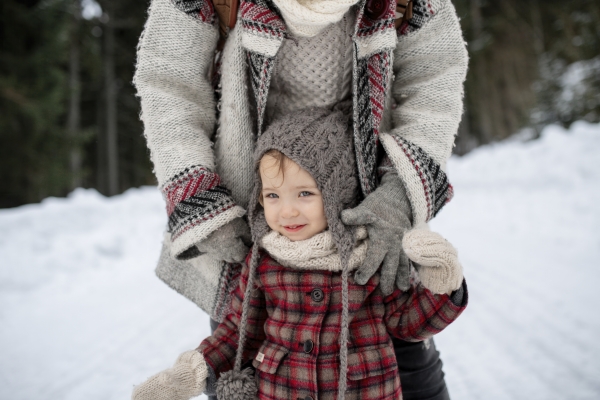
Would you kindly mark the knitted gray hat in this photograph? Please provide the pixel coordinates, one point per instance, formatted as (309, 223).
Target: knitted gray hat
(320, 141)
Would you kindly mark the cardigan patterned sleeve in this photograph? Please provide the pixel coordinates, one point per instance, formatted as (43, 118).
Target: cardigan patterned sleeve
(429, 65)
(174, 57)
(418, 314)
(219, 349)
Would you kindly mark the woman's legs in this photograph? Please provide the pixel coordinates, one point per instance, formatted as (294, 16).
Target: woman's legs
(420, 369)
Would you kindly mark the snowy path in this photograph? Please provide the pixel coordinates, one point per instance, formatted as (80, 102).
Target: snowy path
(82, 316)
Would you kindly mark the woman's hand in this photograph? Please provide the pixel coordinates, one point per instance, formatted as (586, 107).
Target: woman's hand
(386, 214)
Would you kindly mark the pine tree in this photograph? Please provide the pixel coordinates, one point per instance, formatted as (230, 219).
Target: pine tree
(33, 145)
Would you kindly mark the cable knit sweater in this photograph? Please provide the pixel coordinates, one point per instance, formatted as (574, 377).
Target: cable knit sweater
(405, 83)
(312, 72)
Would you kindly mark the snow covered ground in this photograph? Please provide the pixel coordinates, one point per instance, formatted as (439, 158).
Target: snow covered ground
(82, 316)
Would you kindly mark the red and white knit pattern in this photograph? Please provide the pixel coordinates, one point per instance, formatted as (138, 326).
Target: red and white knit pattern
(420, 172)
(196, 198)
(199, 9)
(260, 19)
(179, 112)
(422, 12)
(378, 70)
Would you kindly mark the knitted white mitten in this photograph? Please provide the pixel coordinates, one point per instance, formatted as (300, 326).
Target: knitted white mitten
(186, 379)
(438, 265)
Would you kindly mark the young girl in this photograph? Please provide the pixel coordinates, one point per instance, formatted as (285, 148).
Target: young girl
(309, 330)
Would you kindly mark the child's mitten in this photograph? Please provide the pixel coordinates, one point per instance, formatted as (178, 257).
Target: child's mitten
(438, 265)
(186, 379)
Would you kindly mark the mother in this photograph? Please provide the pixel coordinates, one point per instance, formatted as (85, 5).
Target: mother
(404, 79)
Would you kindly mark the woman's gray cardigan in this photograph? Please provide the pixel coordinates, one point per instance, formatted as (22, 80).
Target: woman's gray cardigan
(407, 96)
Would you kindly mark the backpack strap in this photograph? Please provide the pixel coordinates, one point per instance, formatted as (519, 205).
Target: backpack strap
(227, 13)
(404, 12)
(376, 9)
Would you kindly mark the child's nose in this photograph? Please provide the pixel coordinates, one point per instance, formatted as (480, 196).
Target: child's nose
(289, 211)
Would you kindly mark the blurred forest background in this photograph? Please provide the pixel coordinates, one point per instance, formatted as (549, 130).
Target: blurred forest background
(69, 116)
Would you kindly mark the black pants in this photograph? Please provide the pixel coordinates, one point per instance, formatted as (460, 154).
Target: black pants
(419, 366)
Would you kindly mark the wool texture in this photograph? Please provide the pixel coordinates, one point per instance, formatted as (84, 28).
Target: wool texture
(386, 215)
(319, 141)
(186, 379)
(185, 276)
(306, 18)
(229, 243)
(316, 253)
(282, 315)
(423, 115)
(407, 87)
(436, 258)
(312, 72)
(172, 90)
(237, 385)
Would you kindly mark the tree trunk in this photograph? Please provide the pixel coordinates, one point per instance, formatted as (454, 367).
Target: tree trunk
(112, 148)
(74, 117)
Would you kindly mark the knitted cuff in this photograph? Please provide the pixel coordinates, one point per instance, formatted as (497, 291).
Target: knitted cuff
(197, 205)
(438, 265)
(426, 183)
(186, 379)
(191, 371)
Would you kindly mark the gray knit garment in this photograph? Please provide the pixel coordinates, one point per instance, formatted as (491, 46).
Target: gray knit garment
(320, 141)
(313, 71)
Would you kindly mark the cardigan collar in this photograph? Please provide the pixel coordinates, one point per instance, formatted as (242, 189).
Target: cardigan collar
(307, 18)
(263, 31)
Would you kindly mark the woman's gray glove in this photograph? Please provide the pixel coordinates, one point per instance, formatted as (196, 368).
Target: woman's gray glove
(229, 243)
(387, 214)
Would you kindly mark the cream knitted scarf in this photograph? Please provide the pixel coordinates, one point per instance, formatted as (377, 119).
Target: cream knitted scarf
(306, 18)
(316, 253)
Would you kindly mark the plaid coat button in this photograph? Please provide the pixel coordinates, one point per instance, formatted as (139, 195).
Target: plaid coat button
(317, 295)
(308, 346)
(309, 398)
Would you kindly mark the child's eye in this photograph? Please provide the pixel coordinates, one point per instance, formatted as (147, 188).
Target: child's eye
(271, 196)
(305, 193)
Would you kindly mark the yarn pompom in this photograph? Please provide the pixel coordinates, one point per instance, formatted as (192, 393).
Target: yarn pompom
(237, 385)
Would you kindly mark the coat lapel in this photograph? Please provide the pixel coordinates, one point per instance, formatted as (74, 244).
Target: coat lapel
(374, 43)
(262, 35)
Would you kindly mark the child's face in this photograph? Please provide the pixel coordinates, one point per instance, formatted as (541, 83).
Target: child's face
(293, 204)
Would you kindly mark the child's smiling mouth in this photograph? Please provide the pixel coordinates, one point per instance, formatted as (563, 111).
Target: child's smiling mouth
(293, 228)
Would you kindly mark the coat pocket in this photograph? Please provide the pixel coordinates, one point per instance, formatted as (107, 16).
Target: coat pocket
(269, 357)
(371, 361)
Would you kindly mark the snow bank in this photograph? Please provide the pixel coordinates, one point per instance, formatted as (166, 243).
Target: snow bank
(526, 223)
(82, 315)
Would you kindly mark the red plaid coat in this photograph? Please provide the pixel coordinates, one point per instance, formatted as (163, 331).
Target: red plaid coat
(293, 329)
